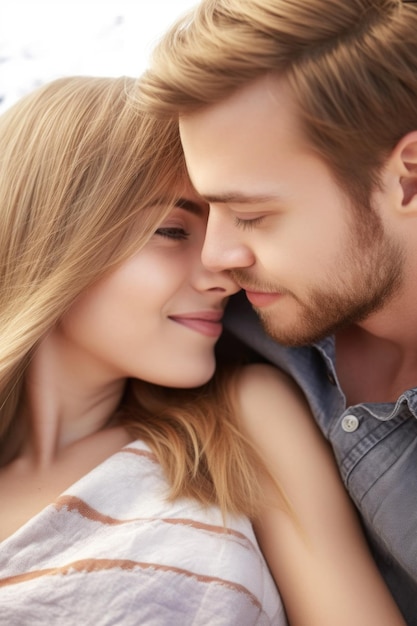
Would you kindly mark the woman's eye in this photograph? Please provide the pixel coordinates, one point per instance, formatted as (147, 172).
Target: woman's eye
(248, 223)
(172, 232)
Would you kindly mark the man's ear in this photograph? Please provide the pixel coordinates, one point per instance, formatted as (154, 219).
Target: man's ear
(404, 161)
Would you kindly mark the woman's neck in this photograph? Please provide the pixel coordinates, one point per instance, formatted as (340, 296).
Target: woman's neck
(65, 401)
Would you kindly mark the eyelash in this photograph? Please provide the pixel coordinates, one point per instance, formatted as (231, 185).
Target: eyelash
(248, 224)
(172, 233)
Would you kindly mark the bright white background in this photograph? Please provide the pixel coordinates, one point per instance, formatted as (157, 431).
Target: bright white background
(44, 39)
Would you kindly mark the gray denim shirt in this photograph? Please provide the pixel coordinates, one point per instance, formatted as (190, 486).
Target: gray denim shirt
(375, 446)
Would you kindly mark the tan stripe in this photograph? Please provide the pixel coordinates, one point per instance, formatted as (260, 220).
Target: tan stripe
(71, 503)
(144, 453)
(98, 565)
(219, 530)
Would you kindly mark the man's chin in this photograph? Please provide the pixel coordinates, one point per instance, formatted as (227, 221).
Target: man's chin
(294, 337)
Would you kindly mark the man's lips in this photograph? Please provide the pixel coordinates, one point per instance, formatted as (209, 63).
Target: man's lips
(262, 298)
(205, 322)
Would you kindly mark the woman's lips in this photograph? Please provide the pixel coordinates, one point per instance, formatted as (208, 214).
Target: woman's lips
(206, 323)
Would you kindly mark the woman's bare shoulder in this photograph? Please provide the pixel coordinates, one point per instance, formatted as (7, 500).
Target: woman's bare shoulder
(274, 413)
(263, 388)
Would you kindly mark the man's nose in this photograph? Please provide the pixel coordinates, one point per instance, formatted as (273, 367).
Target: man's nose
(224, 246)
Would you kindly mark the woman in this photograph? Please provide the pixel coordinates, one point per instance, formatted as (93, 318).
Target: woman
(102, 287)
(125, 496)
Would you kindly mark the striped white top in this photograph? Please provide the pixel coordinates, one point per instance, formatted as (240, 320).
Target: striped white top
(112, 551)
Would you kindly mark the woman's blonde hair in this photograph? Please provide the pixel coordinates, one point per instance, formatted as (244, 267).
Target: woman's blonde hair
(351, 65)
(85, 180)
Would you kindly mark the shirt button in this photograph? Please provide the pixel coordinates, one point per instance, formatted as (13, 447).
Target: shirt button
(350, 423)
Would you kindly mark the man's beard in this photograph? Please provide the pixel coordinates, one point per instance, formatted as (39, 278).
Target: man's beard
(366, 275)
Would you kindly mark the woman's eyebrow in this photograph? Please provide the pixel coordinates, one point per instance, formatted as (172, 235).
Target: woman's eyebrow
(190, 205)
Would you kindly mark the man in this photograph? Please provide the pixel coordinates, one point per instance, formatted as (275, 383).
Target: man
(298, 120)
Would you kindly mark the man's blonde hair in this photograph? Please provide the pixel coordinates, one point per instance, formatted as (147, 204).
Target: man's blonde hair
(351, 65)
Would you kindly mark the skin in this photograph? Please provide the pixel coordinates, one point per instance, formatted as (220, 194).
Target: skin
(293, 241)
(156, 317)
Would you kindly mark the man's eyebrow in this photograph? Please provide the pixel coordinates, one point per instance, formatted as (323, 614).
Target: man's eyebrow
(239, 198)
(190, 205)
